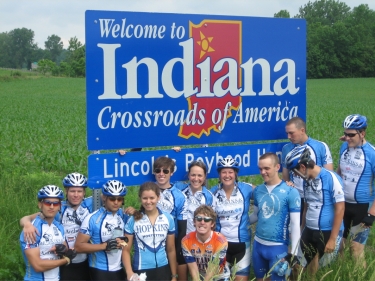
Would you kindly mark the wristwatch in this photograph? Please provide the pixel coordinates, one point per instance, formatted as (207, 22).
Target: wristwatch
(174, 276)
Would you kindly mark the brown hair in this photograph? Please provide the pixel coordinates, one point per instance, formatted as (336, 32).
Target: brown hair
(164, 162)
(273, 156)
(298, 122)
(206, 210)
(199, 164)
(146, 186)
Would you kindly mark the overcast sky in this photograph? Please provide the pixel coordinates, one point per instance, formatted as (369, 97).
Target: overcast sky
(65, 18)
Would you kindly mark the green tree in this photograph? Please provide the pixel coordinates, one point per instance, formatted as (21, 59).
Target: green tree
(282, 14)
(54, 45)
(327, 12)
(74, 44)
(47, 66)
(22, 46)
(5, 50)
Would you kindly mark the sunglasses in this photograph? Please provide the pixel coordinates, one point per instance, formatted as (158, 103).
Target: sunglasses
(206, 219)
(113, 199)
(50, 203)
(165, 171)
(350, 135)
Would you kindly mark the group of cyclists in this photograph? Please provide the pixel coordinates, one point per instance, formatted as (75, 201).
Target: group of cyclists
(184, 229)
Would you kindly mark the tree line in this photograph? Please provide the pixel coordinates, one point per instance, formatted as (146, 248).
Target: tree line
(340, 40)
(18, 50)
(340, 43)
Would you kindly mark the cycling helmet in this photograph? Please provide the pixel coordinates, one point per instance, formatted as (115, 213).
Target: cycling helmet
(75, 179)
(114, 188)
(355, 122)
(50, 191)
(228, 162)
(299, 154)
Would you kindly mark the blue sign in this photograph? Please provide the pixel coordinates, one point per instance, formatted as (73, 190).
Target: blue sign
(134, 168)
(156, 79)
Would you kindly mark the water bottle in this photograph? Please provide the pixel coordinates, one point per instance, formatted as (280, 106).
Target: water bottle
(117, 232)
(283, 268)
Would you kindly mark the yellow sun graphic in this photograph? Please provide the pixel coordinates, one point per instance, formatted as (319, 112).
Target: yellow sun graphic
(205, 44)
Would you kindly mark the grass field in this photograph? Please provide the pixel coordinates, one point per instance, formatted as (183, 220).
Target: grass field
(43, 137)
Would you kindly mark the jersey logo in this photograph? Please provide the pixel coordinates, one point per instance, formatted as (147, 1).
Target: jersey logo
(109, 226)
(55, 231)
(47, 237)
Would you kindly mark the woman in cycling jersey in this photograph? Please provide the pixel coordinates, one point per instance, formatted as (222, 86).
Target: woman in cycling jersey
(195, 191)
(152, 232)
(232, 203)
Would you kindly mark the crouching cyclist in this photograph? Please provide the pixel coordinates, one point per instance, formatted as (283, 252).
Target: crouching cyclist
(73, 210)
(44, 255)
(98, 233)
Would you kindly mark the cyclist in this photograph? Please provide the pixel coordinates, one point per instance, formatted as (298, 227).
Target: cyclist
(97, 235)
(276, 206)
(195, 191)
(357, 168)
(73, 210)
(320, 153)
(42, 261)
(152, 232)
(204, 245)
(232, 203)
(172, 201)
(324, 209)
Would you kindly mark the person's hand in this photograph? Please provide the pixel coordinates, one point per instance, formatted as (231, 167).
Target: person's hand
(330, 246)
(176, 148)
(121, 152)
(129, 211)
(60, 249)
(30, 233)
(111, 244)
(290, 183)
(368, 220)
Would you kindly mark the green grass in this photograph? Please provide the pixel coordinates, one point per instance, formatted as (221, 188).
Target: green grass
(43, 137)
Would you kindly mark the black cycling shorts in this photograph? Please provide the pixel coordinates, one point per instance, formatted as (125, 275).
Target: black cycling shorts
(100, 275)
(75, 271)
(314, 241)
(157, 274)
(354, 213)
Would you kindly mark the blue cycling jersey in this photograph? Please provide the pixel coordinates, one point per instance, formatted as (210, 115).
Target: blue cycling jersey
(321, 195)
(71, 220)
(357, 167)
(100, 226)
(173, 202)
(274, 210)
(233, 213)
(193, 201)
(150, 241)
(49, 236)
(320, 153)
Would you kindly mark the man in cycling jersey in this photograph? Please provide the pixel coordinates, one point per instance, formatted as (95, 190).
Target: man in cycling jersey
(324, 208)
(357, 168)
(203, 246)
(320, 153)
(73, 210)
(97, 235)
(276, 206)
(44, 255)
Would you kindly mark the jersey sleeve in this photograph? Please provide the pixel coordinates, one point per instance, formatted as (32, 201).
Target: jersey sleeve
(327, 157)
(185, 245)
(285, 150)
(337, 192)
(172, 226)
(24, 244)
(129, 226)
(221, 249)
(255, 196)
(180, 185)
(85, 226)
(294, 201)
(181, 206)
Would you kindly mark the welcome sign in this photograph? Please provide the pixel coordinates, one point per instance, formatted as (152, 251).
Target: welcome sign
(157, 79)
